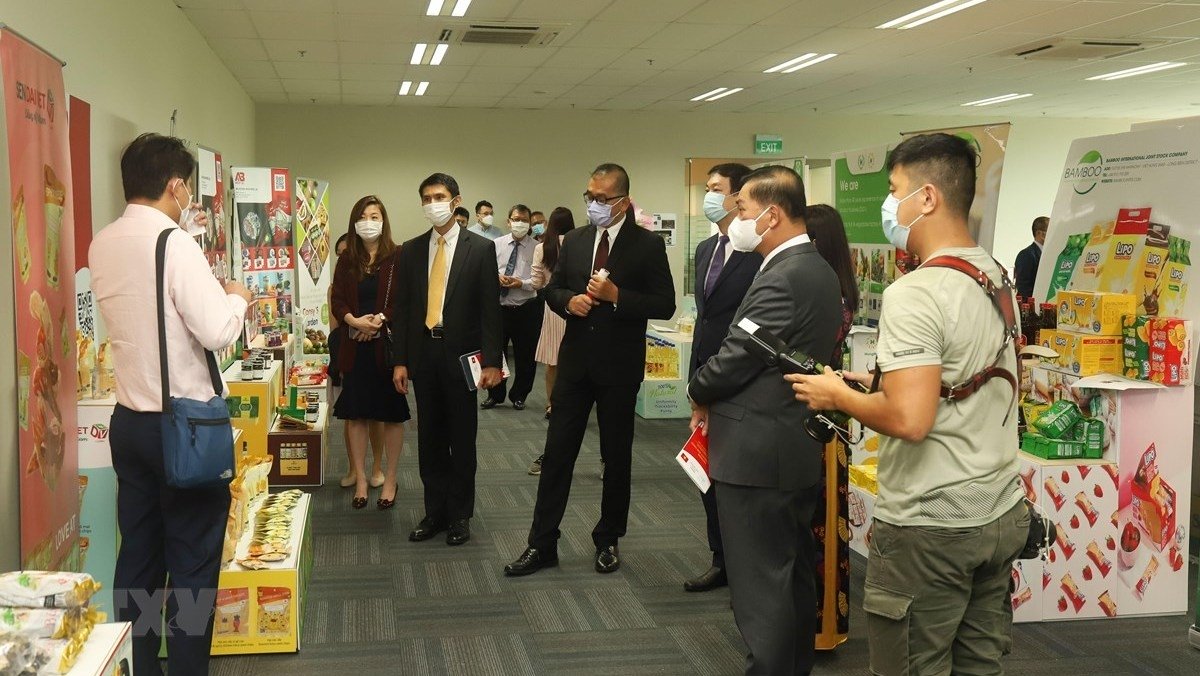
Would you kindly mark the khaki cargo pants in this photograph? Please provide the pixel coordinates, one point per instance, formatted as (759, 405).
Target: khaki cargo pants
(937, 599)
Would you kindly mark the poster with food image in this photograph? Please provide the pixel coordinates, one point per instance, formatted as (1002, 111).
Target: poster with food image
(45, 304)
(860, 185)
(211, 195)
(265, 254)
(314, 268)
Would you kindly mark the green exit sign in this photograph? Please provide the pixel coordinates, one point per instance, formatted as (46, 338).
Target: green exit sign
(768, 144)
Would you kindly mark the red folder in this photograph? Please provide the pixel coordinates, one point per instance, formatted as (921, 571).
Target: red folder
(693, 458)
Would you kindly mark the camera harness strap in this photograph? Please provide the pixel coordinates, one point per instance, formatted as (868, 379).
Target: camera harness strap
(1002, 299)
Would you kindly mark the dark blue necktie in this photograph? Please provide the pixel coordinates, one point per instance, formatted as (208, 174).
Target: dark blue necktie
(718, 264)
(511, 267)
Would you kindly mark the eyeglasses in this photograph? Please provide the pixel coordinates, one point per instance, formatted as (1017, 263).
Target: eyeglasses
(589, 198)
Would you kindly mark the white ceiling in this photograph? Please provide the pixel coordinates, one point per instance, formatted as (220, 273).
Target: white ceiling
(658, 54)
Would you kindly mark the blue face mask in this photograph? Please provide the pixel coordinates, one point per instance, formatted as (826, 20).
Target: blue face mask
(714, 206)
(897, 234)
(600, 214)
(539, 229)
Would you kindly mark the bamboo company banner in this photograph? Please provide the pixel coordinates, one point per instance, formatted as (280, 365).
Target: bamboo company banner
(312, 279)
(44, 303)
(860, 185)
(989, 142)
(263, 209)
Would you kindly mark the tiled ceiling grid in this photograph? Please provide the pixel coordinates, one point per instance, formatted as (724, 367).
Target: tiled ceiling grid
(658, 54)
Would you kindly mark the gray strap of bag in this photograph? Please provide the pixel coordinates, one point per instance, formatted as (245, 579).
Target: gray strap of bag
(160, 268)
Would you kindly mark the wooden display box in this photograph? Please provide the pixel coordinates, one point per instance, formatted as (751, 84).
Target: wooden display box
(252, 404)
(299, 454)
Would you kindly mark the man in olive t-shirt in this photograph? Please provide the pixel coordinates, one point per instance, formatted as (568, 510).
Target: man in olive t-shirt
(950, 519)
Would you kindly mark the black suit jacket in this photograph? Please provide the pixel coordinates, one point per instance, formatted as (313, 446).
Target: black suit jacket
(609, 345)
(715, 313)
(1026, 269)
(470, 314)
(755, 425)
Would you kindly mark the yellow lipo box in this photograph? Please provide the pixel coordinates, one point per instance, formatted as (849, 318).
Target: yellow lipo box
(1084, 354)
(1094, 312)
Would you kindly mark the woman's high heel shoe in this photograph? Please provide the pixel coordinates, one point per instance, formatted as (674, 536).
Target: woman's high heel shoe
(383, 504)
(359, 503)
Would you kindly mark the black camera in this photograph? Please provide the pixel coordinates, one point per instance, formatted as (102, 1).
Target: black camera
(820, 425)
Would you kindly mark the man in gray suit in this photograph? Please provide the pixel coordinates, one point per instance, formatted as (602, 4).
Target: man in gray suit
(765, 468)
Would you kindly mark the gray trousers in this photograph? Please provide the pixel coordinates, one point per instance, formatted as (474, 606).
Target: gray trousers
(769, 552)
(937, 599)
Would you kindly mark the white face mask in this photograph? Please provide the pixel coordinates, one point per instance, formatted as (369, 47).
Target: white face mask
(743, 233)
(369, 231)
(519, 229)
(487, 220)
(437, 213)
(187, 214)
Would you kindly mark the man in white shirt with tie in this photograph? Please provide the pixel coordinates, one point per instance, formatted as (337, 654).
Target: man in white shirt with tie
(519, 308)
(165, 531)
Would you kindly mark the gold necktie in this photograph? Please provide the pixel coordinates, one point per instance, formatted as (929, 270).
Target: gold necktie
(437, 285)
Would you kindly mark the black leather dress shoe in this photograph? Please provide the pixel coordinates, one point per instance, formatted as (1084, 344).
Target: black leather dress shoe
(707, 581)
(531, 561)
(519, 405)
(489, 403)
(426, 529)
(608, 559)
(460, 532)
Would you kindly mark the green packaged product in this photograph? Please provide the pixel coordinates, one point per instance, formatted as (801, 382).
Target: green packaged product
(1058, 420)
(1064, 268)
(1135, 350)
(1052, 449)
(1090, 432)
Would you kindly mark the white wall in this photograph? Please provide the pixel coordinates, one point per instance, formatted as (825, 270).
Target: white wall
(542, 158)
(134, 61)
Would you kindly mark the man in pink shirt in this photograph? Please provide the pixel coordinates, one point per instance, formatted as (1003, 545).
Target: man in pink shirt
(164, 530)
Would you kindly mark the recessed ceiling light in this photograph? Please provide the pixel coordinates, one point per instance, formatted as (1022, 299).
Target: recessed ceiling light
(418, 54)
(421, 88)
(435, 8)
(724, 94)
(930, 13)
(997, 99)
(438, 53)
(460, 9)
(405, 87)
(786, 64)
(1140, 70)
(705, 95)
(811, 62)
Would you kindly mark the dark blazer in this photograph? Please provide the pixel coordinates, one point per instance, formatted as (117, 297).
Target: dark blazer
(715, 313)
(756, 435)
(1026, 269)
(344, 300)
(471, 312)
(609, 345)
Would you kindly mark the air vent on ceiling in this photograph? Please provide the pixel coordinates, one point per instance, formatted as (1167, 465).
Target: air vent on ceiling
(1063, 49)
(504, 35)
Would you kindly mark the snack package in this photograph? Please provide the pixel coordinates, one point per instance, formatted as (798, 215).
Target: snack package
(1058, 419)
(1170, 350)
(1064, 267)
(41, 622)
(21, 235)
(1093, 256)
(1090, 433)
(1051, 449)
(274, 610)
(1154, 501)
(56, 656)
(1093, 312)
(232, 612)
(55, 203)
(46, 589)
(1173, 282)
(1135, 346)
(1146, 287)
(1117, 270)
(1107, 604)
(1083, 354)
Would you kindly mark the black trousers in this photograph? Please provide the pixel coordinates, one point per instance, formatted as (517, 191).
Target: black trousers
(170, 540)
(713, 522)
(447, 420)
(572, 402)
(522, 327)
(769, 552)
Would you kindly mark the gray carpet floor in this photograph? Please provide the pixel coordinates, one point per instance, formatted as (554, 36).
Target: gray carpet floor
(378, 604)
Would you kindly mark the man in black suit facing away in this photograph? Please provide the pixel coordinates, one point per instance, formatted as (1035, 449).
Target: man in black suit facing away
(722, 277)
(765, 468)
(447, 306)
(1030, 257)
(602, 361)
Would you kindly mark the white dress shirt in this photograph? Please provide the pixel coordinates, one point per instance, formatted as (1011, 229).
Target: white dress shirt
(613, 230)
(489, 231)
(795, 241)
(523, 271)
(199, 315)
(451, 243)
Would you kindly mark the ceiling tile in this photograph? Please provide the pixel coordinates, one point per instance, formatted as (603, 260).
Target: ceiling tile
(410, 8)
(366, 100)
(613, 34)
(373, 71)
(252, 69)
(386, 29)
(222, 23)
(295, 70)
(742, 12)
(640, 10)
(374, 52)
(369, 87)
(557, 10)
(262, 85)
(238, 49)
(294, 26)
(659, 59)
(485, 89)
(312, 87)
(1147, 20)
(1190, 29)
(299, 6)
(314, 50)
(558, 76)
(209, 4)
(620, 77)
(692, 36)
(581, 57)
(269, 98)
(492, 74)
(1072, 17)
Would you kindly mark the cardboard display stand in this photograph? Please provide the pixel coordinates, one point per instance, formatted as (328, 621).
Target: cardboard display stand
(298, 455)
(107, 652)
(252, 404)
(663, 394)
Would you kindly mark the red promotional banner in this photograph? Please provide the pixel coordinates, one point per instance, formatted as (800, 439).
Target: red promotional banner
(44, 303)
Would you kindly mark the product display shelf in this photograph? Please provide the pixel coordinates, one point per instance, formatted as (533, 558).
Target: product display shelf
(107, 652)
(299, 454)
(663, 394)
(262, 611)
(252, 404)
